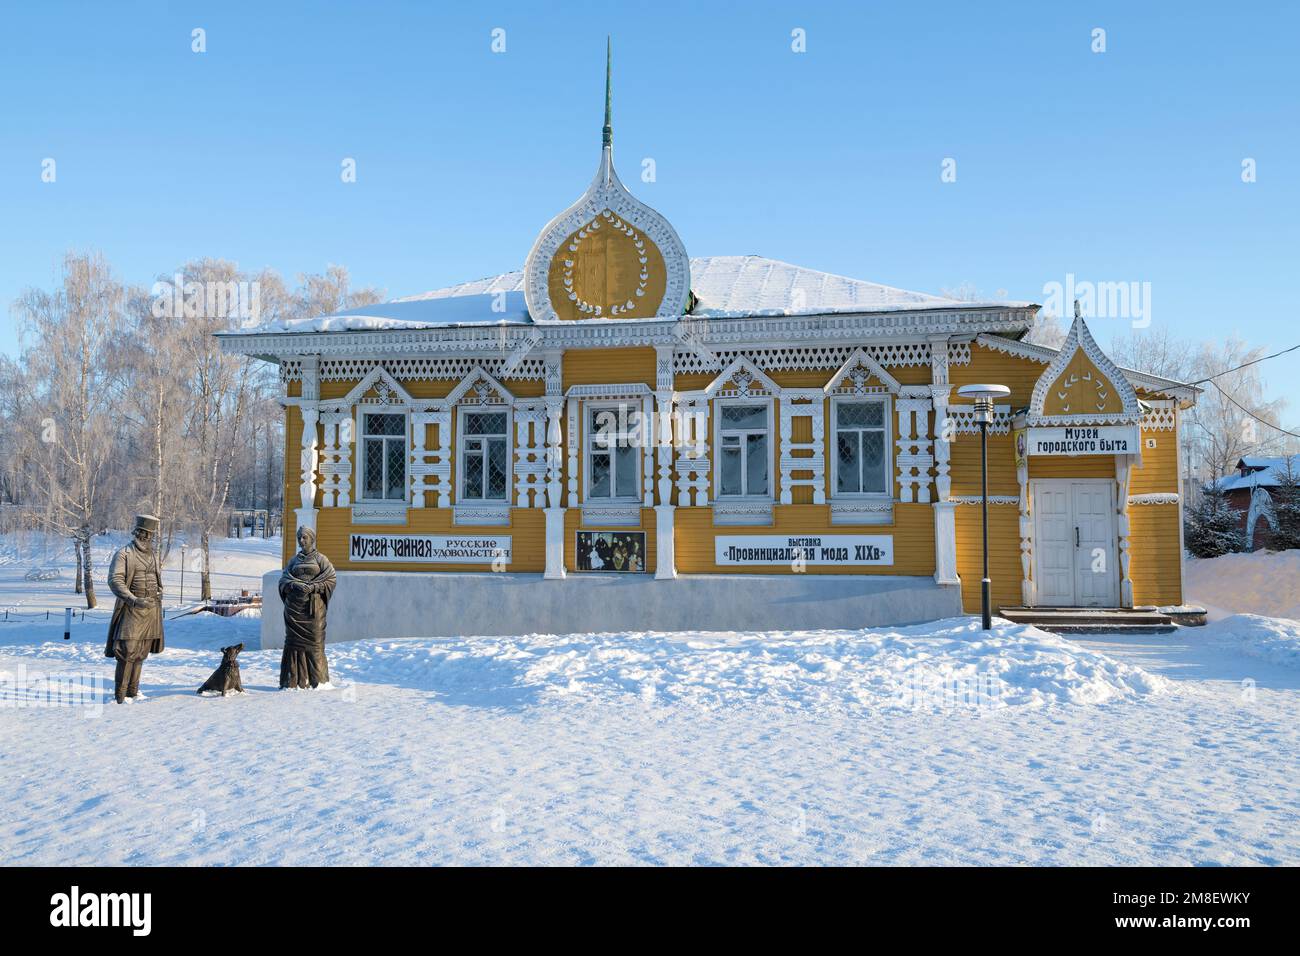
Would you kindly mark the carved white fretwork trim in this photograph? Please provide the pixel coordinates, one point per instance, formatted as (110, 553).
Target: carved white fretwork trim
(755, 513)
(1044, 354)
(431, 467)
(803, 403)
(1080, 339)
(478, 388)
(388, 391)
(606, 201)
(470, 514)
(1154, 498)
(394, 514)
(742, 379)
(785, 357)
(529, 452)
(419, 368)
(976, 499)
(853, 375)
(914, 459)
(595, 515)
(336, 458)
(963, 421)
(1160, 415)
(850, 511)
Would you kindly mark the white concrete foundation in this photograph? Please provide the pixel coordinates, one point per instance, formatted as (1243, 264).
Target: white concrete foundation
(388, 604)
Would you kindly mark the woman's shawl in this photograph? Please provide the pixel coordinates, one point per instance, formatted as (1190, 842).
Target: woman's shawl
(304, 611)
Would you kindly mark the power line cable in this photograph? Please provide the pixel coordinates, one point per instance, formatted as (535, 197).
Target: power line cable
(1249, 412)
(1262, 358)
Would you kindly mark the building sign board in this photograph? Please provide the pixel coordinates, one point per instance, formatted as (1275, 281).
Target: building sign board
(1084, 440)
(825, 550)
(429, 548)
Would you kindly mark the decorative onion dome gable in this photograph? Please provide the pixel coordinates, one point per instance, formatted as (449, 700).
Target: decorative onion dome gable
(608, 256)
(1083, 386)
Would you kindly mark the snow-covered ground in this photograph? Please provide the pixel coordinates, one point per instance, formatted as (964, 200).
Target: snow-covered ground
(237, 564)
(933, 744)
(1258, 582)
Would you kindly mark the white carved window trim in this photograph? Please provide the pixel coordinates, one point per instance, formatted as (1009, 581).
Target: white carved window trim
(588, 412)
(462, 411)
(833, 448)
(718, 405)
(359, 473)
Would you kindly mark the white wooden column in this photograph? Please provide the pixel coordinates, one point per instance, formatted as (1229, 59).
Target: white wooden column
(665, 524)
(309, 456)
(1123, 472)
(1027, 584)
(945, 516)
(555, 437)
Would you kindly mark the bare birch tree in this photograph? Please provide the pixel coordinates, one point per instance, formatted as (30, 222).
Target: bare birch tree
(75, 328)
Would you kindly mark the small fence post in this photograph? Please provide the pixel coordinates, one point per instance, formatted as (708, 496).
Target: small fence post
(67, 623)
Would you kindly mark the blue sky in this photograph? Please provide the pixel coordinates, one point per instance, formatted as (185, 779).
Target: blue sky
(1119, 166)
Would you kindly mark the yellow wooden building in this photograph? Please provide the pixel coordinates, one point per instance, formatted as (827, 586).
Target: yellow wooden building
(621, 436)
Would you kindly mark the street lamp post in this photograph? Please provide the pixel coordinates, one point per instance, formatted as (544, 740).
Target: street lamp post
(983, 396)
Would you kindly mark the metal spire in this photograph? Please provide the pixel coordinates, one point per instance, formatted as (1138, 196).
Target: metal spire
(607, 134)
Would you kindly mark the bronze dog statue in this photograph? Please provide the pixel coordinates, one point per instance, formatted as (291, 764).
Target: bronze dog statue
(225, 678)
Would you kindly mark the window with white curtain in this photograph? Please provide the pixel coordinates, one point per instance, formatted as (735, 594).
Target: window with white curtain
(613, 459)
(744, 468)
(861, 447)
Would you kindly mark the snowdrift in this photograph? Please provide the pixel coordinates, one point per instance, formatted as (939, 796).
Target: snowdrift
(1276, 640)
(945, 665)
(1258, 582)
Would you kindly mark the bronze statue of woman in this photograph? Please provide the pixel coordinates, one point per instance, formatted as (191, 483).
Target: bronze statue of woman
(305, 588)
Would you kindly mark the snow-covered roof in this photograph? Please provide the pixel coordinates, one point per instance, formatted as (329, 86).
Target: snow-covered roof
(1261, 472)
(724, 287)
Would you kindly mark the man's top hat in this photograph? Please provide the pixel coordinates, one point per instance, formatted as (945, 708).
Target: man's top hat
(146, 523)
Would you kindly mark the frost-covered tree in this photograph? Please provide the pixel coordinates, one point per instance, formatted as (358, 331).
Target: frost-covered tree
(1286, 506)
(1211, 527)
(70, 336)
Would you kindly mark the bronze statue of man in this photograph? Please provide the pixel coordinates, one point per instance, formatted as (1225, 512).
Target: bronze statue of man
(136, 629)
(305, 588)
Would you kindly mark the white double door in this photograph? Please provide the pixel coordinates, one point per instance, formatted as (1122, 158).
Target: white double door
(1075, 543)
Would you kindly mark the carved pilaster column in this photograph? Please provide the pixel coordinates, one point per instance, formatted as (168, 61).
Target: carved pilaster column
(1027, 583)
(555, 438)
(554, 452)
(945, 517)
(1123, 472)
(309, 456)
(571, 439)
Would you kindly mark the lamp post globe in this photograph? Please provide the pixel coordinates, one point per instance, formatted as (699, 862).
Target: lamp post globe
(983, 396)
